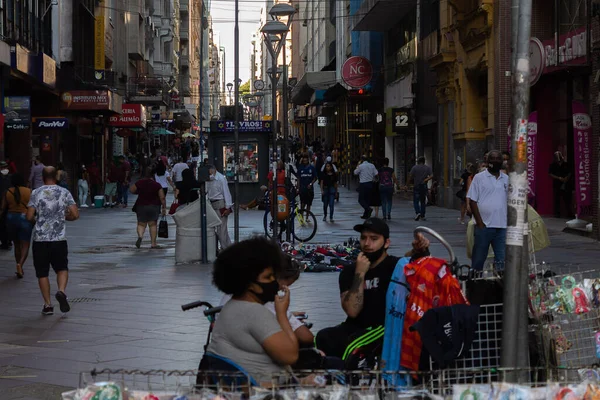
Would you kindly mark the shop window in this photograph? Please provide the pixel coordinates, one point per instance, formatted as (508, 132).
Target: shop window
(248, 170)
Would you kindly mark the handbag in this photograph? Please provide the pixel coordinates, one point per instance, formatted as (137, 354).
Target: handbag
(461, 194)
(163, 228)
(174, 206)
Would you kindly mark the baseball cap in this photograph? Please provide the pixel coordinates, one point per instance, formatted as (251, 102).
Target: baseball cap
(375, 225)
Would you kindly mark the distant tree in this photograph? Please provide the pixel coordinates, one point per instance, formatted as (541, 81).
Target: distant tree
(245, 88)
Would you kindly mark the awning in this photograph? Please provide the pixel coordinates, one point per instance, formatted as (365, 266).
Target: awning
(380, 15)
(334, 92)
(311, 81)
(161, 131)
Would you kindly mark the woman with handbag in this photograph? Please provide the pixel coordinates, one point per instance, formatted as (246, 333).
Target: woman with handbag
(148, 206)
(14, 204)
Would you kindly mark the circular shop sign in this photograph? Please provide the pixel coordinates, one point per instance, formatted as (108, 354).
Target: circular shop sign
(357, 72)
(537, 60)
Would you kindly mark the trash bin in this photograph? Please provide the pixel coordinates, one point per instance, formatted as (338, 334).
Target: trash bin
(98, 201)
(188, 245)
(188, 233)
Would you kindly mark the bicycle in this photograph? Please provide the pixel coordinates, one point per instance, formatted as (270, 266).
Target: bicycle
(302, 223)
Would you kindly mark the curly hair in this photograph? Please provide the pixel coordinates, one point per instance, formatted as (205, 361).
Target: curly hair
(240, 264)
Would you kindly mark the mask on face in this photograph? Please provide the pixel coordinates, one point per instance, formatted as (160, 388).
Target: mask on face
(4, 172)
(374, 255)
(269, 291)
(212, 177)
(495, 166)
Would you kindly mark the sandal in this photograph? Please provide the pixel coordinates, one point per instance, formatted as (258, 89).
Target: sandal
(155, 247)
(138, 242)
(19, 272)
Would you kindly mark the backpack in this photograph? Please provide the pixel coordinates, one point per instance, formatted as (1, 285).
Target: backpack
(385, 178)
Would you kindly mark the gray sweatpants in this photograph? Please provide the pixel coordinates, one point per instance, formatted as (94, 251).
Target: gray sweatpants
(221, 230)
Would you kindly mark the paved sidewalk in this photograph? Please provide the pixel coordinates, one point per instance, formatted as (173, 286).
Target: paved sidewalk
(126, 302)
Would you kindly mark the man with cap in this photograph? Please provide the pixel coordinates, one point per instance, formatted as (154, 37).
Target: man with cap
(363, 288)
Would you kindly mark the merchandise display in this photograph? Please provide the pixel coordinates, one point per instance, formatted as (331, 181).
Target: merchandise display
(324, 257)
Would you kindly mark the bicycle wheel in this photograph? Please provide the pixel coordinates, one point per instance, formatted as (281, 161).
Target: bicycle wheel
(268, 224)
(305, 225)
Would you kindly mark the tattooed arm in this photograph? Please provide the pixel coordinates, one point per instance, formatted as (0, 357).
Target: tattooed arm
(352, 299)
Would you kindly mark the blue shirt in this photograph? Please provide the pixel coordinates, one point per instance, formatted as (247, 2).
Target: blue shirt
(306, 174)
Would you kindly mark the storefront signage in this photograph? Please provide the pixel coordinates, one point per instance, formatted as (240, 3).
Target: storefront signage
(321, 122)
(357, 72)
(17, 112)
(572, 50)
(532, 128)
(582, 131)
(537, 60)
(50, 123)
(99, 53)
(101, 100)
(132, 116)
(244, 126)
(402, 121)
(19, 60)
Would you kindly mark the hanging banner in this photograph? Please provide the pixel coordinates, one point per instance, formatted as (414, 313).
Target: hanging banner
(582, 130)
(99, 47)
(532, 128)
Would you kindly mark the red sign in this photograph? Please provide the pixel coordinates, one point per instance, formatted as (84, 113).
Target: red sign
(545, 57)
(101, 100)
(357, 72)
(132, 116)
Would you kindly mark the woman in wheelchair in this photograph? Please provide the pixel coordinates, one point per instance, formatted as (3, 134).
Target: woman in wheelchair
(247, 337)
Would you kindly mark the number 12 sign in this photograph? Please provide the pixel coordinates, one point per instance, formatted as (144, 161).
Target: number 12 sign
(402, 121)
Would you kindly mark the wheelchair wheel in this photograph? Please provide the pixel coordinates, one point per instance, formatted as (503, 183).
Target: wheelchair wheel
(268, 224)
(305, 225)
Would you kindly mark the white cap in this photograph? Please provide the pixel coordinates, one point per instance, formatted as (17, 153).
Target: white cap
(328, 158)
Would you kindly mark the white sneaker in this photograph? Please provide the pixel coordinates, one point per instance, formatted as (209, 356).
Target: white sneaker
(84, 206)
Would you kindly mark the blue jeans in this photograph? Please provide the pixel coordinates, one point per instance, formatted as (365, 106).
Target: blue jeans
(420, 199)
(386, 193)
(328, 200)
(484, 237)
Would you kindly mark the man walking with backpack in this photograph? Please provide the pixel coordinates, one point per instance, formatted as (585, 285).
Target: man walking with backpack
(387, 180)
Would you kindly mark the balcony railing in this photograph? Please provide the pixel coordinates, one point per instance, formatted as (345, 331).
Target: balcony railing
(184, 6)
(148, 90)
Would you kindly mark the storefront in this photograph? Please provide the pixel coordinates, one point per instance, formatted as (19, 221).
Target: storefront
(91, 111)
(254, 150)
(561, 77)
(47, 137)
(127, 128)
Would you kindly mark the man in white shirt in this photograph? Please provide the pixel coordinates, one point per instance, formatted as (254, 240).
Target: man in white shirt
(178, 169)
(366, 173)
(218, 193)
(488, 199)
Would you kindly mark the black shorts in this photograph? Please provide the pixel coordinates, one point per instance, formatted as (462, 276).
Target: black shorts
(46, 254)
(307, 196)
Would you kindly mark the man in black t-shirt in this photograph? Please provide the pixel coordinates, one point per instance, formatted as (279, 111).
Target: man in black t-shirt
(363, 288)
(561, 184)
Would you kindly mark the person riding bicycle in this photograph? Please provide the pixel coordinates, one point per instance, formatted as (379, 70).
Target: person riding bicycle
(247, 336)
(363, 288)
(289, 274)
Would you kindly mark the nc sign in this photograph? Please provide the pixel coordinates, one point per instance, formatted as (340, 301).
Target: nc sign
(357, 72)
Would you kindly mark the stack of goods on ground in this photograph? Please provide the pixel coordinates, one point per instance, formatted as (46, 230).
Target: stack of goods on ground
(324, 257)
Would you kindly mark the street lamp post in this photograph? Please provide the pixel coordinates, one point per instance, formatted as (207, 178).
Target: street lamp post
(229, 88)
(274, 33)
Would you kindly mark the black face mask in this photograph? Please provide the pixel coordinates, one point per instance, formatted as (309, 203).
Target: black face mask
(269, 291)
(495, 167)
(374, 255)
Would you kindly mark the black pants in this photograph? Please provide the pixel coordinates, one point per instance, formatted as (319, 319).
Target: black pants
(565, 195)
(364, 195)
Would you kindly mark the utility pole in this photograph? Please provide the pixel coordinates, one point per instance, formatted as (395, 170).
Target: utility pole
(236, 129)
(514, 328)
(285, 152)
(274, 80)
